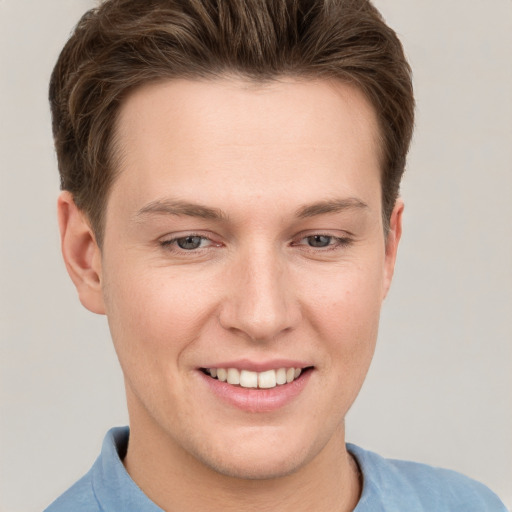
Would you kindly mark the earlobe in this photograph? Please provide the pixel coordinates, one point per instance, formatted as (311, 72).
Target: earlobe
(81, 253)
(392, 241)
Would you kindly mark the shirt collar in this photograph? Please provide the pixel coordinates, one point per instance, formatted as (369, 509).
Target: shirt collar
(112, 485)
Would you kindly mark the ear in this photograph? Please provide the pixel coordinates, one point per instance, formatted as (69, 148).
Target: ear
(392, 240)
(81, 253)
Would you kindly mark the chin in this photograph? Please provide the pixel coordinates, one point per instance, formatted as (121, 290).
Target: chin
(255, 468)
(264, 456)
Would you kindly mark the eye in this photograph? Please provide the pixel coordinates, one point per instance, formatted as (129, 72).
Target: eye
(322, 242)
(187, 243)
(319, 240)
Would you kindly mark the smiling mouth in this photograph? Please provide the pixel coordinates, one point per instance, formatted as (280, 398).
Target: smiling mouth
(259, 380)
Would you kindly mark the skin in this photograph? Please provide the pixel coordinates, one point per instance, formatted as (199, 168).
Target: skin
(258, 156)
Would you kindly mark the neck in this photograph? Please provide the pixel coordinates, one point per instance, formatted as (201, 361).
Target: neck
(175, 480)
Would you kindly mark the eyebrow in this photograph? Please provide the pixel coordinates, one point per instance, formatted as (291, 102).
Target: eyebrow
(330, 206)
(177, 207)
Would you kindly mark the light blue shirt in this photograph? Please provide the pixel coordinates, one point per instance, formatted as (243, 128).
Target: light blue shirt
(388, 485)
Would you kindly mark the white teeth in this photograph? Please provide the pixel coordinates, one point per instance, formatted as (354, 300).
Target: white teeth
(267, 379)
(248, 379)
(233, 376)
(281, 376)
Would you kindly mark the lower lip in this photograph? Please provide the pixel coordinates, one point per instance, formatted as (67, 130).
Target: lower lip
(257, 400)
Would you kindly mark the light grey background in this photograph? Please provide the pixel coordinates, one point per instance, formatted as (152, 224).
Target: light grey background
(440, 389)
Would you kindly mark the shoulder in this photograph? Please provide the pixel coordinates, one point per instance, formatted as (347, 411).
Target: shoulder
(418, 487)
(78, 498)
(107, 486)
(85, 495)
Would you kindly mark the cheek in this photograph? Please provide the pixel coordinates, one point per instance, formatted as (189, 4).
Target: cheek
(349, 297)
(345, 312)
(152, 314)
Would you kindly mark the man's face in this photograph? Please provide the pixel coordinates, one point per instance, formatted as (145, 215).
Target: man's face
(244, 232)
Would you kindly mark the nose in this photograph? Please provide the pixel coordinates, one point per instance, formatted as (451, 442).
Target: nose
(261, 302)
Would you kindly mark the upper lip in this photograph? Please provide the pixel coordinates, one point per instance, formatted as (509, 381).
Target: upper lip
(259, 366)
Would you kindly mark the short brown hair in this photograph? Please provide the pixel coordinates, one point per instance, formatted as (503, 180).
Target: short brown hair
(124, 44)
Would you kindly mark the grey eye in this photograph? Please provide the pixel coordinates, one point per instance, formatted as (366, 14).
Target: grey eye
(319, 240)
(189, 243)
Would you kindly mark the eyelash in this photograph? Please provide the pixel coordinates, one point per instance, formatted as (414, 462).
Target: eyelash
(172, 244)
(335, 243)
(338, 242)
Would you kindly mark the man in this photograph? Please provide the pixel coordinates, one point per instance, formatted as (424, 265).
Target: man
(230, 175)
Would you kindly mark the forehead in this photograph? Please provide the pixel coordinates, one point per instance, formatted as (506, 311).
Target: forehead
(249, 111)
(259, 138)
